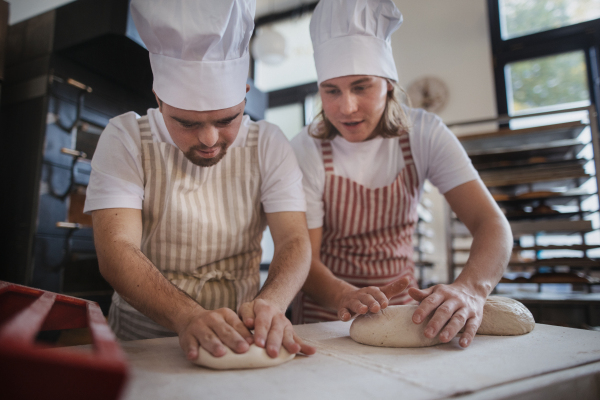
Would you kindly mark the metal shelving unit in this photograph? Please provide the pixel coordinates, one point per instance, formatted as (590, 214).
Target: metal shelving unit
(540, 177)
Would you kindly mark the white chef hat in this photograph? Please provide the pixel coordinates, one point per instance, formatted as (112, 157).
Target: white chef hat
(198, 49)
(352, 37)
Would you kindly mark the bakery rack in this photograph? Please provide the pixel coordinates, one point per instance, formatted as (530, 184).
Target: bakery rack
(544, 179)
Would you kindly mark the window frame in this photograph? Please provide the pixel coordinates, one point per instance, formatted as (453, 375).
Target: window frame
(583, 36)
(293, 94)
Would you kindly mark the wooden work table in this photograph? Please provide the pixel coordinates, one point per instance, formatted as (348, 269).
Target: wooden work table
(550, 362)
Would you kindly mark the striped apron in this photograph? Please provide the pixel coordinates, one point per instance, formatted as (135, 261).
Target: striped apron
(202, 228)
(367, 233)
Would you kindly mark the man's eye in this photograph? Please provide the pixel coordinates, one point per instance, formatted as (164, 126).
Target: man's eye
(359, 88)
(225, 123)
(187, 126)
(333, 91)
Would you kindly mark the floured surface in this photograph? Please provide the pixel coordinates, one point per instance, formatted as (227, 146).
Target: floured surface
(344, 369)
(448, 369)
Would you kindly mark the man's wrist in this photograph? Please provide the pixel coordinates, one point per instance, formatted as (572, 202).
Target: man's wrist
(182, 319)
(273, 300)
(341, 290)
(481, 287)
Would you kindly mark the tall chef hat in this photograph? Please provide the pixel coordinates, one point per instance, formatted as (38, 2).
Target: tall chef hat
(352, 37)
(198, 50)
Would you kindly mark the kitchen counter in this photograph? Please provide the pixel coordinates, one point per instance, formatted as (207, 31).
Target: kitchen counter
(550, 362)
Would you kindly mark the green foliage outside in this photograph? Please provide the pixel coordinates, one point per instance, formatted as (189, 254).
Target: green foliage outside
(522, 17)
(549, 80)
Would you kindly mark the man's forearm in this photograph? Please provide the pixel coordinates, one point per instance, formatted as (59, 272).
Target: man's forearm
(489, 256)
(138, 281)
(287, 272)
(324, 287)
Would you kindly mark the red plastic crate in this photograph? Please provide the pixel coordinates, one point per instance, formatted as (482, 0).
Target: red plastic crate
(29, 370)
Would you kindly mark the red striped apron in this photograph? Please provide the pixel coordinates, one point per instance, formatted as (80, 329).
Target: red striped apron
(367, 233)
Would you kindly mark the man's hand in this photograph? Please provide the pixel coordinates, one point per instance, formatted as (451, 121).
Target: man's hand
(372, 298)
(271, 328)
(213, 330)
(455, 306)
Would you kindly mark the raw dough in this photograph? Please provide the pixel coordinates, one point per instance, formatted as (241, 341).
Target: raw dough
(393, 326)
(255, 357)
(505, 317)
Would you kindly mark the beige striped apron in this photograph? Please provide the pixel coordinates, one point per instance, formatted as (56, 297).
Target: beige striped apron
(202, 228)
(367, 233)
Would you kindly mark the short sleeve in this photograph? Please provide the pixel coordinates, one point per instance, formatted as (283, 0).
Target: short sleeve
(117, 175)
(439, 155)
(281, 186)
(308, 153)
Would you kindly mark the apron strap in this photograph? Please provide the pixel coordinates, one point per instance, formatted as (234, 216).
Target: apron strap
(405, 147)
(252, 138)
(327, 156)
(145, 133)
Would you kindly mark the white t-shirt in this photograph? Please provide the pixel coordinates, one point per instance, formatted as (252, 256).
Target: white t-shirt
(375, 163)
(117, 174)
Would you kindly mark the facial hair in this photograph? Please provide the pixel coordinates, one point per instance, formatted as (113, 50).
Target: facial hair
(195, 158)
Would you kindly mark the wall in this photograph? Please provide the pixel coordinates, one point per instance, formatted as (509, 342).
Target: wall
(449, 40)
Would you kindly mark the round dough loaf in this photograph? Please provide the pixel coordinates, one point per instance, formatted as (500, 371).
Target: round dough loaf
(393, 326)
(255, 357)
(505, 317)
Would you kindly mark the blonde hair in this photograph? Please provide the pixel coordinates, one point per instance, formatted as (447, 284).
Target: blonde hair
(393, 123)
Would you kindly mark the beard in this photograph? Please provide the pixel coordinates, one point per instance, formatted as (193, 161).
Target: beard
(200, 161)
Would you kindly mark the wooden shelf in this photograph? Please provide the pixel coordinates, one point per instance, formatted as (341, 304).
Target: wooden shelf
(576, 247)
(548, 216)
(574, 262)
(518, 137)
(531, 227)
(572, 169)
(527, 155)
(556, 198)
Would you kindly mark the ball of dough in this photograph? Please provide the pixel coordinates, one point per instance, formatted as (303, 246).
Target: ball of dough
(255, 357)
(505, 317)
(391, 327)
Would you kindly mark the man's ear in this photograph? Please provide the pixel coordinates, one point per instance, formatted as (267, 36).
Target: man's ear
(158, 101)
(247, 88)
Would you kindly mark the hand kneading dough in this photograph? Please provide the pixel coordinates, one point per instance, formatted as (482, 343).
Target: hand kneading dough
(255, 357)
(393, 326)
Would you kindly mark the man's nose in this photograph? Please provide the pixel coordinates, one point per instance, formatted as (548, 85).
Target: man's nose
(349, 104)
(208, 136)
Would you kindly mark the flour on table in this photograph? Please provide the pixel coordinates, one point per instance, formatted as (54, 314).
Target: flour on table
(393, 326)
(255, 357)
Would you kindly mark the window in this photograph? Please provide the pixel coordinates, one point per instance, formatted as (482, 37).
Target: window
(546, 54)
(547, 83)
(298, 66)
(292, 83)
(524, 17)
